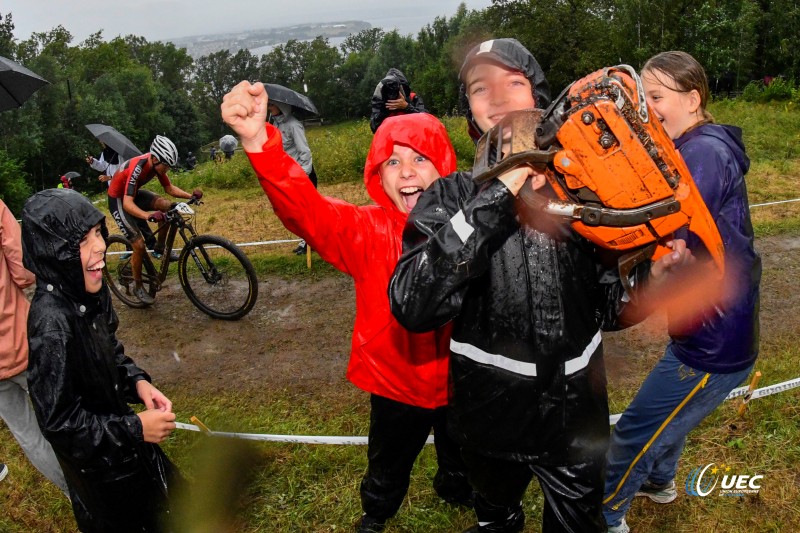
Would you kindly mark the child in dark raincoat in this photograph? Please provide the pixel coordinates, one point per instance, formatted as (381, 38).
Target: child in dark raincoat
(527, 301)
(405, 373)
(80, 379)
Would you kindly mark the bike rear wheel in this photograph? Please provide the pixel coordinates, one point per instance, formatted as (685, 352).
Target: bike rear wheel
(218, 277)
(118, 273)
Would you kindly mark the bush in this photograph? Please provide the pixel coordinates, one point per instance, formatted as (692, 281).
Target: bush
(779, 89)
(753, 91)
(462, 143)
(14, 190)
(235, 173)
(339, 151)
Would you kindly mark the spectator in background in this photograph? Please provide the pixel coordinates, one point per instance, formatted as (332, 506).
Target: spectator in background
(228, 144)
(107, 164)
(393, 96)
(294, 143)
(191, 161)
(15, 406)
(66, 181)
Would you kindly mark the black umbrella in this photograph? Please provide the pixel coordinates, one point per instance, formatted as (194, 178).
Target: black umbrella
(17, 84)
(114, 140)
(300, 103)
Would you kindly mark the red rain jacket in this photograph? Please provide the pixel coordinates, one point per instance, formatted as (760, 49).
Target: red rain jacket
(365, 242)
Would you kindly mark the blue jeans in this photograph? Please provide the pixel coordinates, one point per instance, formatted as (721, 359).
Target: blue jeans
(649, 437)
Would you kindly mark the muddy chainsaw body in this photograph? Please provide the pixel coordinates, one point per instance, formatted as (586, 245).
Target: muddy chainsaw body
(617, 175)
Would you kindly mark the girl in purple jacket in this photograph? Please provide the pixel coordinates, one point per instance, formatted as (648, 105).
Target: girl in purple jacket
(701, 365)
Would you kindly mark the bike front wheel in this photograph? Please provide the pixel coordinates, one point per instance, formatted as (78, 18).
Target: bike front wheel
(118, 273)
(218, 277)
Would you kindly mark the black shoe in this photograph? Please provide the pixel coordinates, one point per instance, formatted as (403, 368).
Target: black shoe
(370, 525)
(143, 295)
(301, 248)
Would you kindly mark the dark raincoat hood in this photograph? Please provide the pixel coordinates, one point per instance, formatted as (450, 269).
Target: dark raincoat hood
(393, 74)
(53, 223)
(420, 132)
(509, 53)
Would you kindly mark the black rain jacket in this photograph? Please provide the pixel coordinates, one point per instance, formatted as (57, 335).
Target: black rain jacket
(527, 378)
(80, 379)
(379, 111)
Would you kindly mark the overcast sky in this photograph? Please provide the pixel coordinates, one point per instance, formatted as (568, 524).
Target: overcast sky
(158, 20)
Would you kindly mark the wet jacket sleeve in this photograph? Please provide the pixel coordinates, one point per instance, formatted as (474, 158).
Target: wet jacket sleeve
(11, 243)
(302, 150)
(448, 240)
(616, 310)
(100, 165)
(335, 229)
(129, 373)
(379, 112)
(89, 438)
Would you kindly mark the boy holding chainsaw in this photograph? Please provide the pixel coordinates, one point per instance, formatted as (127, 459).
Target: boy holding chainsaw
(527, 301)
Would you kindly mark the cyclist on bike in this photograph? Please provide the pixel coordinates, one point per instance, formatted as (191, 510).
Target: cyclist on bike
(127, 202)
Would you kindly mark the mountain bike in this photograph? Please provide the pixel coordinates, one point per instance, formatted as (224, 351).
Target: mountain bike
(215, 274)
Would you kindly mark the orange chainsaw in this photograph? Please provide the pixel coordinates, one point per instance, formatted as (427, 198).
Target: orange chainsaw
(616, 173)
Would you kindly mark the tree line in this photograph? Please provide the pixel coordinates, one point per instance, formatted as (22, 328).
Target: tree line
(146, 88)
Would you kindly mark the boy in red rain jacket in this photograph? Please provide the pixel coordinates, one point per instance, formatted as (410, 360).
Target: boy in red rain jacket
(405, 373)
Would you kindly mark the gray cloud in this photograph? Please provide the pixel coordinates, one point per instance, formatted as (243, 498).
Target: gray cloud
(164, 19)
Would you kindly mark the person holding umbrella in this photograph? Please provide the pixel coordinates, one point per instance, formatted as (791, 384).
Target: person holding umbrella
(283, 103)
(116, 150)
(107, 164)
(65, 181)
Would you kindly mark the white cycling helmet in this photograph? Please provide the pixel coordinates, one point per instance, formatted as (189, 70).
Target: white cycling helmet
(164, 150)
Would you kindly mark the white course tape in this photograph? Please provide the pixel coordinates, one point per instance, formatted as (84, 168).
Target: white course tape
(307, 439)
(776, 202)
(298, 439)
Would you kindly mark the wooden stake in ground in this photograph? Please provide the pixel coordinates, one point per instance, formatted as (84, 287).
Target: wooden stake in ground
(196, 421)
(749, 394)
(308, 257)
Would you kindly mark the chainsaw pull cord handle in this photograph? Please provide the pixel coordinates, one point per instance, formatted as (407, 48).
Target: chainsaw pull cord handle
(630, 71)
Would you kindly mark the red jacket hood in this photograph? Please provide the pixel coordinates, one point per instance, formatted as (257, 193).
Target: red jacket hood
(421, 132)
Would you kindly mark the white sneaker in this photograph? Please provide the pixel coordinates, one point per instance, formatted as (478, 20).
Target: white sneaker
(659, 493)
(3, 471)
(621, 528)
